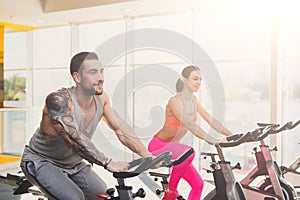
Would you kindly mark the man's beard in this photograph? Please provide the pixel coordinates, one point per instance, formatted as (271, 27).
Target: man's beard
(93, 91)
(98, 92)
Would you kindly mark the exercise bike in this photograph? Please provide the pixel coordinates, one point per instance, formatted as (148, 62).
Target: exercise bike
(124, 192)
(164, 176)
(143, 164)
(226, 186)
(21, 185)
(292, 174)
(273, 186)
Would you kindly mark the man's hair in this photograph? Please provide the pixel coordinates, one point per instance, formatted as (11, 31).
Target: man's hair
(78, 59)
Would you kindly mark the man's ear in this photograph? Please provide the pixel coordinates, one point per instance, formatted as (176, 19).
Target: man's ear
(76, 77)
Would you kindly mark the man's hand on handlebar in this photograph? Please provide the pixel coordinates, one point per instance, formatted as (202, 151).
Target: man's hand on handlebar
(117, 166)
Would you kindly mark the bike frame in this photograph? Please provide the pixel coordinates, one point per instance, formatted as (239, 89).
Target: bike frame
(124, 191)
(292, 173)
(266, 166)
(226, 186)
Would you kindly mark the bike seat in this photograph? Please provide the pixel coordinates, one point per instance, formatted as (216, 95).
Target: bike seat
(125, 174)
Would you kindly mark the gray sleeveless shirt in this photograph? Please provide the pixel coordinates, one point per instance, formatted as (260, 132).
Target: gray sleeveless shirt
(56, 150)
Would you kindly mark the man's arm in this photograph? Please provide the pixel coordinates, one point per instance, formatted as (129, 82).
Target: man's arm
(124, 132)
(61, 113)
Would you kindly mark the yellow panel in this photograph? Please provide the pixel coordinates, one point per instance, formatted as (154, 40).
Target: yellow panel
(7, 159)
(1, 43)
(18, 27)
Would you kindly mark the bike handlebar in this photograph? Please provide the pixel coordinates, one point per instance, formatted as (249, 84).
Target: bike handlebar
(144, 164)
(234, 137)
(235, 140)
(258, 134)
(269, 129)
(295, 124)
(181, 159)
(273, 129)
(149, 162)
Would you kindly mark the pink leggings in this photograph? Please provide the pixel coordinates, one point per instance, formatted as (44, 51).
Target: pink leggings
(185, 170)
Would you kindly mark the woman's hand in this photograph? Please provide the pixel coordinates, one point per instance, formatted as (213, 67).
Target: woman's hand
(222, 140)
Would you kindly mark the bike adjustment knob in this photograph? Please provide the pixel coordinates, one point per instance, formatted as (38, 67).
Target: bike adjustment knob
(237, 166)
(140, 193)
(158, 191)
(111, 192)
(274, 149)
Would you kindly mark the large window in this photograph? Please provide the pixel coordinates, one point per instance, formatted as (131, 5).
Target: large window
(15, 65)
(13, 114)
(35, 63)
(242, 58)
(289, 61)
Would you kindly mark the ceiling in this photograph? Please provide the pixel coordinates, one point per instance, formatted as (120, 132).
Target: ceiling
(49, 13)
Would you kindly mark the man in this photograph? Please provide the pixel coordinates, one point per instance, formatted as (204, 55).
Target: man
(53, 160)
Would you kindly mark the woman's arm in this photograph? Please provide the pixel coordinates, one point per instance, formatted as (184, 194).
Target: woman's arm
(177, 110)
(214, 123)
(124, 132)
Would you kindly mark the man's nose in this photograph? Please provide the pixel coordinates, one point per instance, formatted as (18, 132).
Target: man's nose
(100, 76)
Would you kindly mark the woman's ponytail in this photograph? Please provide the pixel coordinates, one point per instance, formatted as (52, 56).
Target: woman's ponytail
(179, 85)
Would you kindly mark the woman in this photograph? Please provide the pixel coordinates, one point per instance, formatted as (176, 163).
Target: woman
(181, 113)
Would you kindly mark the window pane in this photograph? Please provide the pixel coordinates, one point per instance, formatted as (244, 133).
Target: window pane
(289, 45)
(291, 102)
(15, 88)
(234, 34)
(51, 47)
(183, 25)
(14, 131)
(15, 49)
(92, 36)
(239, 43)
(247, 102)
(51, 80)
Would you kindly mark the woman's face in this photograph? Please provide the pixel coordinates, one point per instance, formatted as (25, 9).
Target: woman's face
(193, 82)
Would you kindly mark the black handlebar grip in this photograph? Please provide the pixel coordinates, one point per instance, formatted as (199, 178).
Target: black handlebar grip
(146, 163)
(261, 124)
(182, 158)
(237, 142)
(295, 124)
